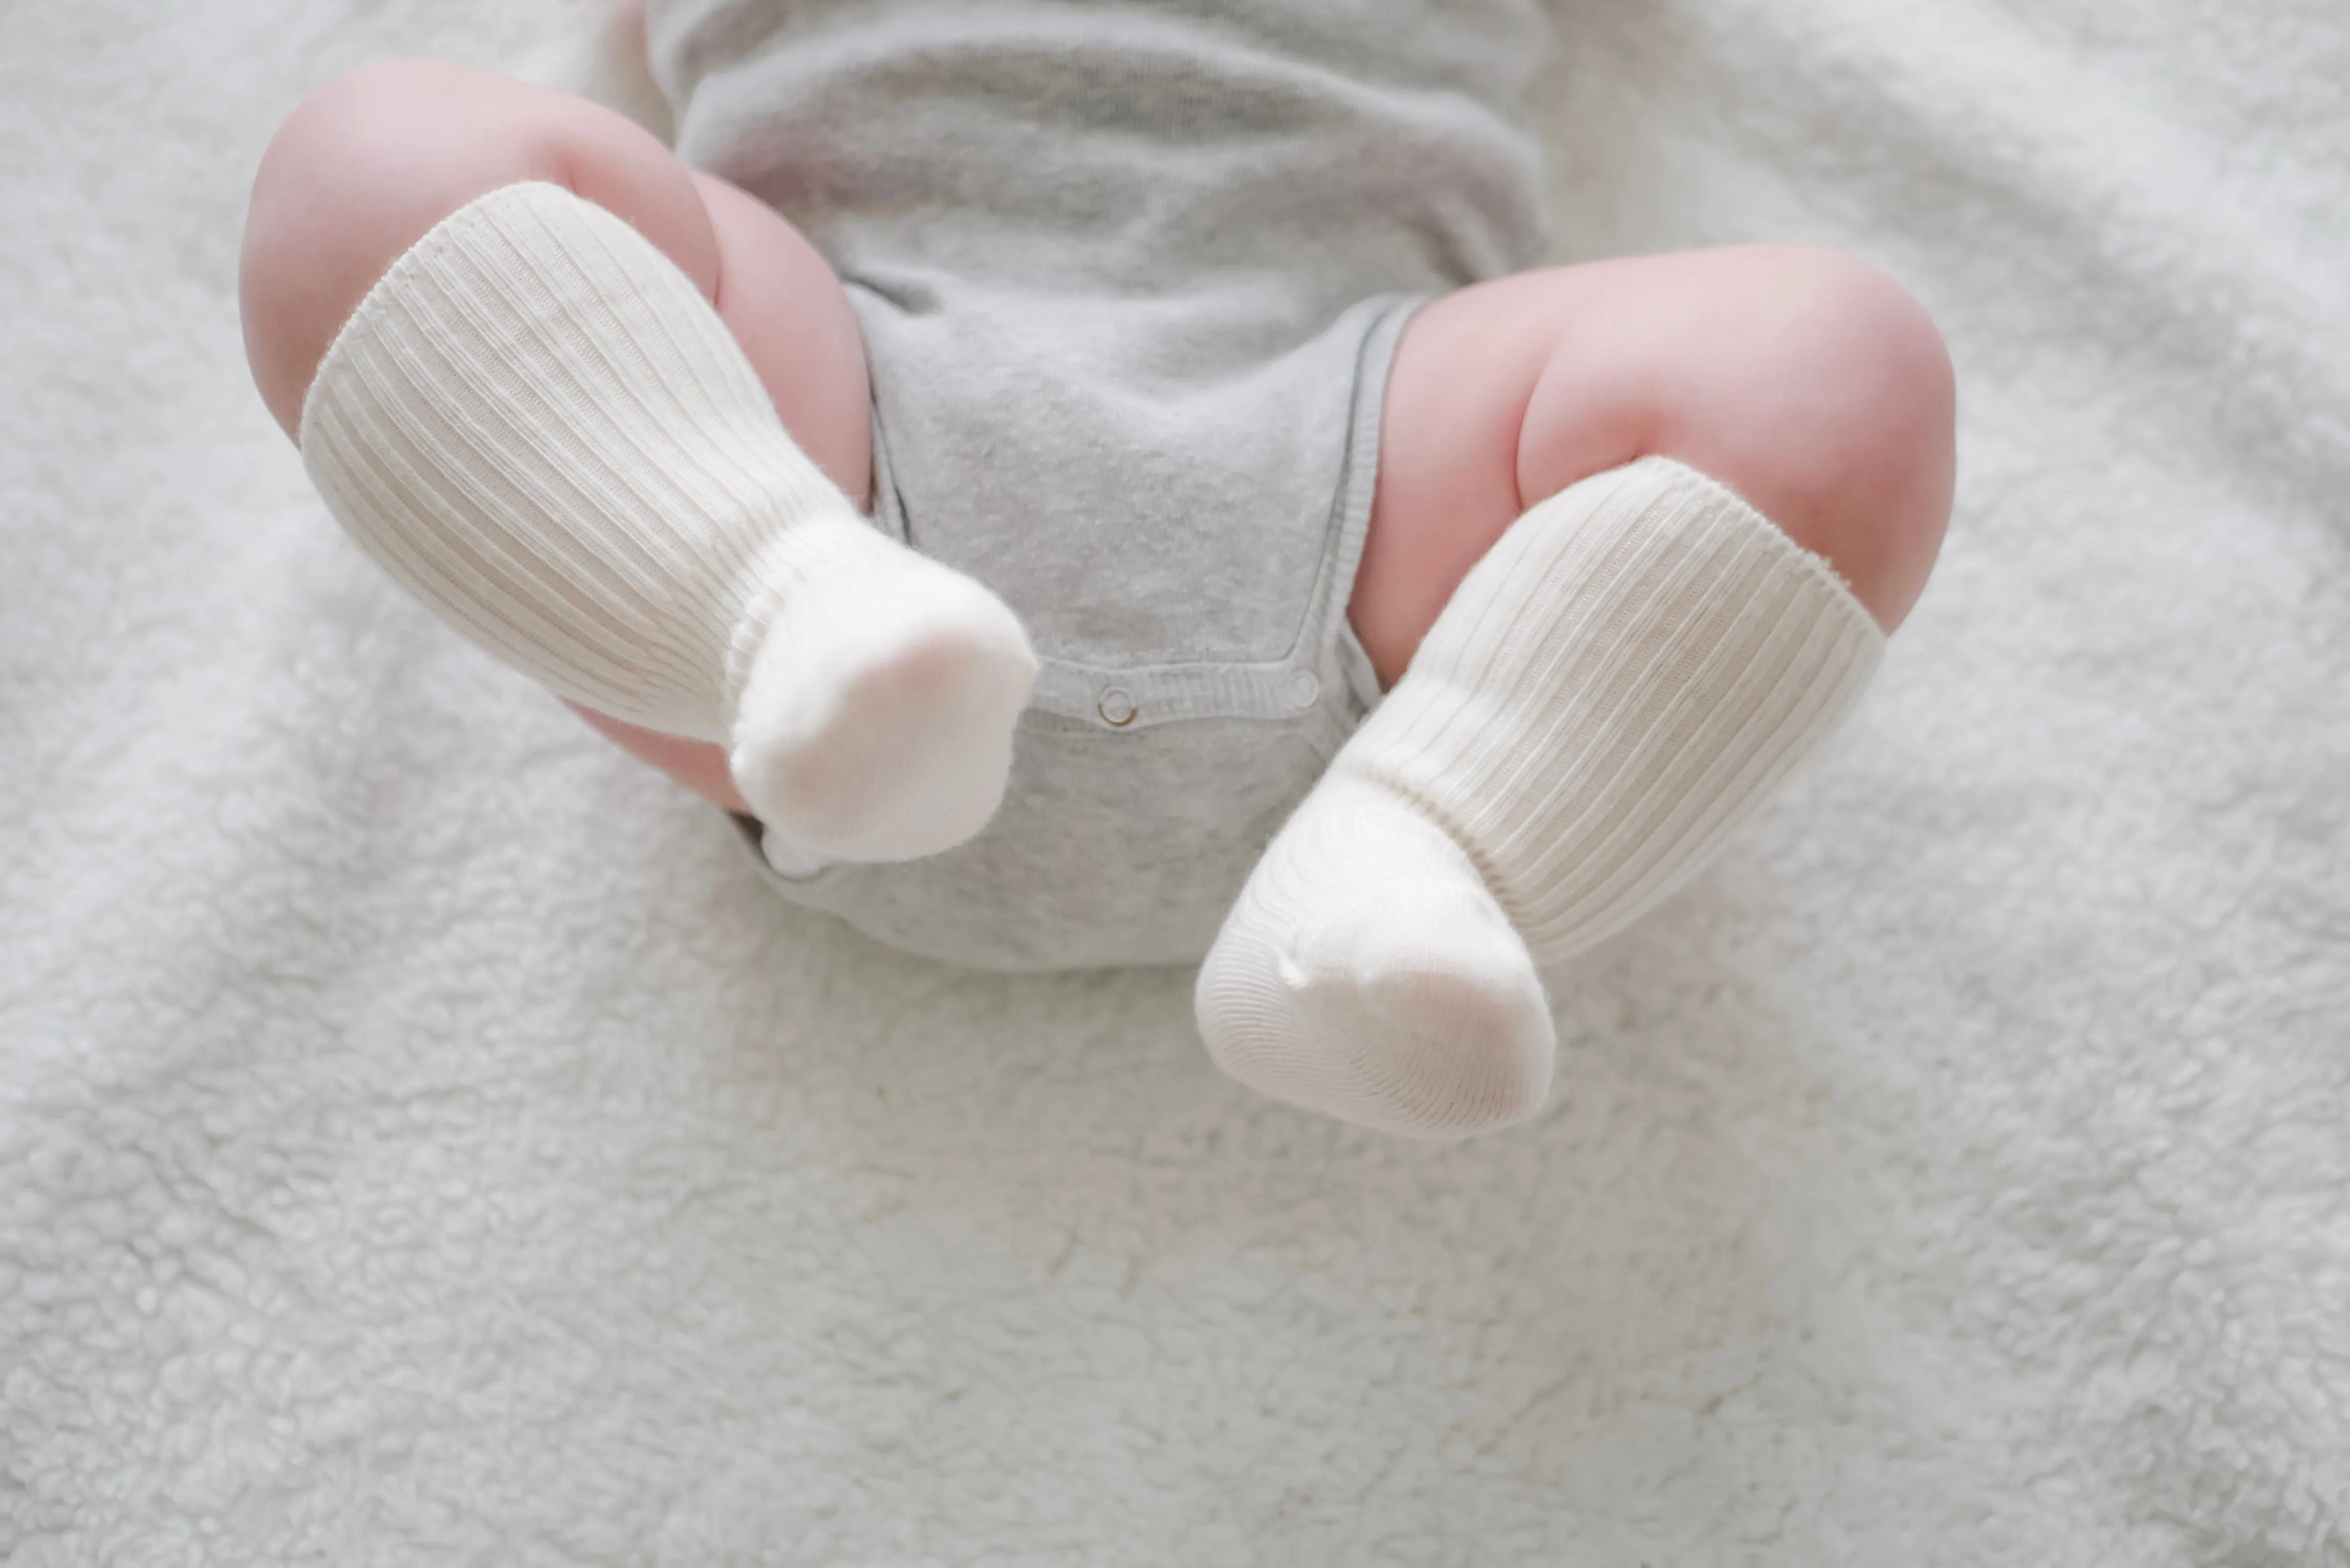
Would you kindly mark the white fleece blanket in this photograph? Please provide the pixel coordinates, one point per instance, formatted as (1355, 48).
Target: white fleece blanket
(422, 1140)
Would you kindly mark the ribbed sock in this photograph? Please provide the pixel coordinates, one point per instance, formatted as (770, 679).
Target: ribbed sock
(537, 423)
(1631, 671)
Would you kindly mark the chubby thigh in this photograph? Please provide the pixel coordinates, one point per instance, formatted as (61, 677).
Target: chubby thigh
(1809, 382)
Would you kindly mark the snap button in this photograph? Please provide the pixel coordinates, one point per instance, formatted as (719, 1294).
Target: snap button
(1117, 707)
(1305, 687)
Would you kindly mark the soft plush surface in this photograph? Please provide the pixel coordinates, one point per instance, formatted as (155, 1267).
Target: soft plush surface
(422, 1141)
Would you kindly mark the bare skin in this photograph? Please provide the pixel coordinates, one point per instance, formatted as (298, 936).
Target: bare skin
(1807, 382)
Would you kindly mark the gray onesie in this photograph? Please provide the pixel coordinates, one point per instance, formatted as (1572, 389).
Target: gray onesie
(1129, 273)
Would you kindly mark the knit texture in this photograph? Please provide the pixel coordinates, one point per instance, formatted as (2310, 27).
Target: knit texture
(536, 424)
(1629, 672)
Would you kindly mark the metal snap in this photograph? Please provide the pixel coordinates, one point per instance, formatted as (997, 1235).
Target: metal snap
(1117, 707)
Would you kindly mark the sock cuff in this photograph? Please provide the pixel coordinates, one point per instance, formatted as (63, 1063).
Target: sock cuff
(481, 286)
(366, 320)
(1730, 509)
(1657, 554)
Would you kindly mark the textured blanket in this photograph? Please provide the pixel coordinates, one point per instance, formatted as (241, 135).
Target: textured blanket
(422, 1141)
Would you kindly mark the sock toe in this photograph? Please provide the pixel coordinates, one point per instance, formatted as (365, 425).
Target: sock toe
(1410, 1007)
(1430, 1009)
(885, 733)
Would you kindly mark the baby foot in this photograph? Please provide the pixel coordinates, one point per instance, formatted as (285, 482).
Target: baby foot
(538, 424)
(1622, 680)
(1367, 972)
(876, 719)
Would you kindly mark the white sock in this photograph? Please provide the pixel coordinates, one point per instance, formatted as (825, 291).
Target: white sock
(1628, 674)
(537, 423)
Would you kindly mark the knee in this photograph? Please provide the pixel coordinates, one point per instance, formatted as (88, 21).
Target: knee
(345, 185)
(371, 162)
(1843, 432)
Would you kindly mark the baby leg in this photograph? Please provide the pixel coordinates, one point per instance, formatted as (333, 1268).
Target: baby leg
(1602, 659)
(551, 380)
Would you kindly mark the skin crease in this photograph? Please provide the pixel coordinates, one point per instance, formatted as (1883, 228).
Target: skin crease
(1806, 381)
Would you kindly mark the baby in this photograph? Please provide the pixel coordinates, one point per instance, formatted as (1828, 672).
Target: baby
(1091, 483)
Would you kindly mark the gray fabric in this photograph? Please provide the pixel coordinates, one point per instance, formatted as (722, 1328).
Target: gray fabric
(1129, 275)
